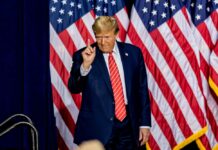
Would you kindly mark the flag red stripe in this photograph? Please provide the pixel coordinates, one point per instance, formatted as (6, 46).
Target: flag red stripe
(77, 98)
(205, 142)
(179, 75)
(152, 143)
(166, 90)
(63, 73)
(214, 17)
(186, 47)
(92, 13)
(67, 41)
(61, 143)
(59, 66)
(84, 32)
(214, 75)
(202, 28)
(160, 119)
(204, 66)
(215, 50)
(212, 121)
(122, 31)
(135, 39)
(64, 112)
(184, 11)
(126, 10)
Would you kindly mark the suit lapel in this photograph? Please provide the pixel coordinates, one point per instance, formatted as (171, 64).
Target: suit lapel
(126, 68)
(101, 64)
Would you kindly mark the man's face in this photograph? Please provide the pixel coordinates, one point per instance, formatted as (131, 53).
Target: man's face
(106, 41)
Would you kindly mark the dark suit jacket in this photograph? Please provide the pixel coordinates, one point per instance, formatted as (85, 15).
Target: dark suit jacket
(96, 115)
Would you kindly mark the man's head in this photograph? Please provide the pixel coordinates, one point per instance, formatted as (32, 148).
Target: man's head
(106, 30)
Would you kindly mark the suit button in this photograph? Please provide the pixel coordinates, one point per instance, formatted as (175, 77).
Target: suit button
(111, 118)
(113, 103)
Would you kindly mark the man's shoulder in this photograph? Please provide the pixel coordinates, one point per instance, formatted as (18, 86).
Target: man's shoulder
(127, 44)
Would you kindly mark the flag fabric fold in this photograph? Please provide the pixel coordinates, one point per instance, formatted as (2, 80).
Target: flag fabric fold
(203, 19)
(163, 33)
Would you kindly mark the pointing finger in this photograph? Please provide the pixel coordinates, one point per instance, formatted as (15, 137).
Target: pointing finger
(93, 49)
(88, 43)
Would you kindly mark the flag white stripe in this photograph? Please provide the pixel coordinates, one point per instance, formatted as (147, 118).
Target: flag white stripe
(76, 36)
(60, 49)
(64, 93)
(88, 21)
(181, 23)
(165, 108)
(140, 29)
(159, 136)
(128, 40)
(199, 41)
(123, 18)
(210, 135)
(214, 62)
(63, 130)
(212, 29)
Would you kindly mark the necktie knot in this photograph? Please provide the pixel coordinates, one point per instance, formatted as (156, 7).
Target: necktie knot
(111, 54)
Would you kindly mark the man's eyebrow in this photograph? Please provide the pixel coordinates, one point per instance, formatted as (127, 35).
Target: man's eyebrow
(103, 36)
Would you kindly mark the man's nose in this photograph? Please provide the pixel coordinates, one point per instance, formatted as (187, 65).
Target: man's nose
(102, 40)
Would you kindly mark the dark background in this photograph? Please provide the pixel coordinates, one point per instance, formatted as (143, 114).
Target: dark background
(25, 77)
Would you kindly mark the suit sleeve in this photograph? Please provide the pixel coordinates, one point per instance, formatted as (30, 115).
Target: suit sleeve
(144, 94)
(76, 82)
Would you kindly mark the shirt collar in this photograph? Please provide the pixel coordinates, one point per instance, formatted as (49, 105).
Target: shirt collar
(115, 49)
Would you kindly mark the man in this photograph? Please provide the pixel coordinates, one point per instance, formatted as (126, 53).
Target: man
(115, 101)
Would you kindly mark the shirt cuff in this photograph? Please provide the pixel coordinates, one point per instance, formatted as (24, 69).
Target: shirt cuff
(83, 71)
(146, 127)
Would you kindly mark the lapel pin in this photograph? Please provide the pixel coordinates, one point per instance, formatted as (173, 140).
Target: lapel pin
(126, 54)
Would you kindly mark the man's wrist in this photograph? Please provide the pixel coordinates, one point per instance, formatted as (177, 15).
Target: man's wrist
(84, 71)
(146, 127)
(86, 66)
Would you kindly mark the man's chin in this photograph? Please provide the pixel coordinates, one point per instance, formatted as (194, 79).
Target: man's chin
(105, 50)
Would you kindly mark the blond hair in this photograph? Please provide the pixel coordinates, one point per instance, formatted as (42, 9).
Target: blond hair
(105, 24)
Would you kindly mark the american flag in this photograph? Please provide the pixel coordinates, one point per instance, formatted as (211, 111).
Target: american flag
(70, 28)
(203, 19)
(161, 29)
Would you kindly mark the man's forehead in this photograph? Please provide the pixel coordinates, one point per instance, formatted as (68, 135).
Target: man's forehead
(105, 33)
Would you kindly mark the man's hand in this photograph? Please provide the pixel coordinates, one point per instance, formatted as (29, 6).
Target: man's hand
(143, 135)
(88, 56)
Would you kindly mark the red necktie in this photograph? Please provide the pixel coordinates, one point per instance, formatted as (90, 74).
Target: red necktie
(120, 108)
